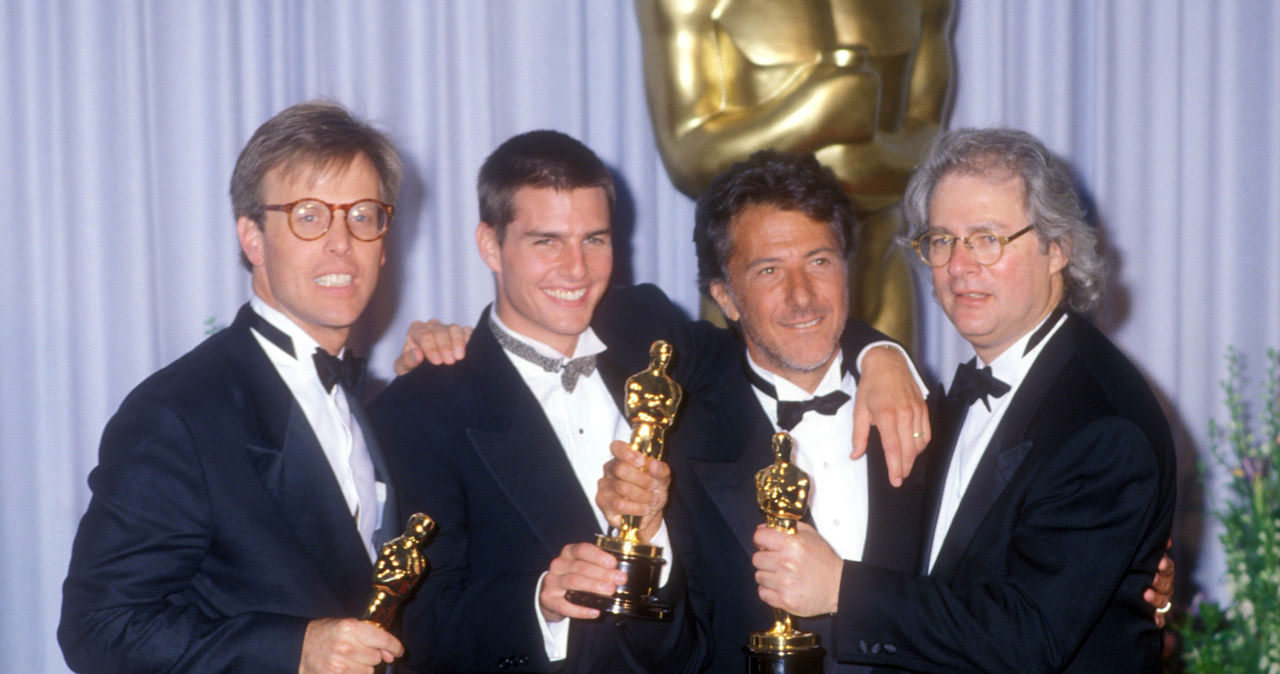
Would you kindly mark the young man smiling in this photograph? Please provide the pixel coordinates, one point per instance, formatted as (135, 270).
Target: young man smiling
(505, 448)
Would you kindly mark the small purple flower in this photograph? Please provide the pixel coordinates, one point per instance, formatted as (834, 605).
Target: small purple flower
(1254, 467)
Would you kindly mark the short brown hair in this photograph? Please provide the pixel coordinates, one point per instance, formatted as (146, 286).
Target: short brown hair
(541, 158)
(315, 134)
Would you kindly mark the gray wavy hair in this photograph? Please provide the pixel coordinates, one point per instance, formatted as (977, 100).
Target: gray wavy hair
(1052, 204)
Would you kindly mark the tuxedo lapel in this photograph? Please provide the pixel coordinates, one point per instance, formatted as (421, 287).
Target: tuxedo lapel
(726, 466)
(893, 513)
(294, 471)
(521, 451)
(615, 376)
(947, 420)
(1009, 447)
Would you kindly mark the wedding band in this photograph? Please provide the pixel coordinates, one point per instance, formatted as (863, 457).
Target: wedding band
(916, 434)
(1165, 609)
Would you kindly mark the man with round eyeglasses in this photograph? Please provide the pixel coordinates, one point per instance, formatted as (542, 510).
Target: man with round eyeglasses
(310, 219)
(240, 493)
(1051, 474)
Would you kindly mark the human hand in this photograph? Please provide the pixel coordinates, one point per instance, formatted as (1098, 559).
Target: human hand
(1160, 594)
(634, 484)
(889, 399)
(434, 342)
(798, 573)
(346, 645)
(580, 566)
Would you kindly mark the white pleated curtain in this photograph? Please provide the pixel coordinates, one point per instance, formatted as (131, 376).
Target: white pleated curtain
(121, 121)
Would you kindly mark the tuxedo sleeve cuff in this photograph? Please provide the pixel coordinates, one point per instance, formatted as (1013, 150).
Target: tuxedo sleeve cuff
(915, 374)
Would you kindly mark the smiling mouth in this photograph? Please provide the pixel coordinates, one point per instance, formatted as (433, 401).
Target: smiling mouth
(806, 324)
(566, 295)
(334, 280)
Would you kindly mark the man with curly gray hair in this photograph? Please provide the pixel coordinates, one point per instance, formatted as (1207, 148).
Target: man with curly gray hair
(1052, 467)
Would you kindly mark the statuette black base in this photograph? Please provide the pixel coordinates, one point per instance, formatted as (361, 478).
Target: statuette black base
(795, 662)
(636, 597)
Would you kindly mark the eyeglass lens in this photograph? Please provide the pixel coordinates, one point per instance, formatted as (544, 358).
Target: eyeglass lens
(310, 219)
(985, 247)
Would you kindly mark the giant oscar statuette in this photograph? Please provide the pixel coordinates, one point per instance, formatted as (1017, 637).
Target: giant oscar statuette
(651, 400)
(782, 490)
(399, 568)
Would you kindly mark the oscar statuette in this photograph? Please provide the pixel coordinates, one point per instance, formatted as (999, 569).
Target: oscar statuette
(782, 490)
(651, 400)
(399, 568)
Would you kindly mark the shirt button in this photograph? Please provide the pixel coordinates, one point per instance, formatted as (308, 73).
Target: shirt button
(836, 522)
(826, 465)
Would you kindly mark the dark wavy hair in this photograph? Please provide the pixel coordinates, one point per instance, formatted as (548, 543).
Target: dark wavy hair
(787, 181)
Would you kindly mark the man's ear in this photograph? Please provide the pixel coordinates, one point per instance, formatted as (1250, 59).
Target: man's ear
(250, 234)
(1059, 255)
(720, 293)
(490, 248)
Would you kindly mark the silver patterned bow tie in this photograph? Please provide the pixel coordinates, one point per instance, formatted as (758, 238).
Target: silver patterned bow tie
(569, 371)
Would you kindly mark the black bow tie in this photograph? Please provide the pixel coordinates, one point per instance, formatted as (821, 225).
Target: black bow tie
(790, 412)
(972, 384)
(348, 370)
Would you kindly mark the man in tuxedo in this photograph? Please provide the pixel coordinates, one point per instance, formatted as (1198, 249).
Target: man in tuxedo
(240, 493)
(773, 236)
(1051, 486)
(505, 448)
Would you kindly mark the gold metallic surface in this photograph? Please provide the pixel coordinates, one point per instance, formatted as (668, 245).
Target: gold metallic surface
(782, 491)
(651, 399)
(863, 84)
(399, 568)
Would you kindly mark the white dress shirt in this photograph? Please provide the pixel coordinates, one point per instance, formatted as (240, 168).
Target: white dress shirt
(822, 444)
(330, 417)
(585, 421)
(980, 425)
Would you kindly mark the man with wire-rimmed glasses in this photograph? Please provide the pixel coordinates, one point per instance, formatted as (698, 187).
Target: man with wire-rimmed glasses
(240, 494)
(1052, 468)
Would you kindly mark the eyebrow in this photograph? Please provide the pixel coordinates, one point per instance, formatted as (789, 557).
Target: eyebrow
(775, 259)
(543, 234)
(985, 226)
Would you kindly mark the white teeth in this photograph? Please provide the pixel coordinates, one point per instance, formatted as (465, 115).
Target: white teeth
(567, 295)
(334, 280)
(806, 324)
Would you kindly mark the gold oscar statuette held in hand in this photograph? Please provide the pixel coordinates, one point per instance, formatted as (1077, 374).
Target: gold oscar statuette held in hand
(651, 400)
(782, 491)
(399, 568)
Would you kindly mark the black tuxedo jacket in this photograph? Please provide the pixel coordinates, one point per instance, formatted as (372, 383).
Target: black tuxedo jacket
(471, 447)
(722, 441)
(1057, 535)
(217, 529)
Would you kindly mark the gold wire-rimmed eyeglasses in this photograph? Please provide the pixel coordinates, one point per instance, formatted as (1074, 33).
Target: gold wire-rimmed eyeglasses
(986, 247)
